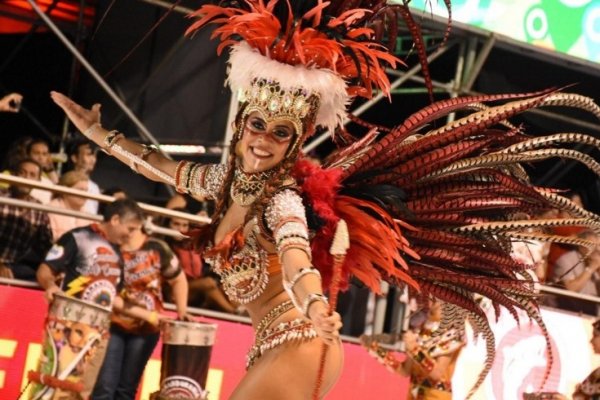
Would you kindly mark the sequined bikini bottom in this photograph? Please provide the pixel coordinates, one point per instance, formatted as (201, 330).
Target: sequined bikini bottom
(267, 338)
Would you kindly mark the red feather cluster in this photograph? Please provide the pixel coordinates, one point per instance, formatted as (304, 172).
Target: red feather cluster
(369, 256)
(353, 54)
(321, 187)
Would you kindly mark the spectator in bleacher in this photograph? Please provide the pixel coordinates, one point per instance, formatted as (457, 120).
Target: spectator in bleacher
(23, 231)
(16, 152)
(83, 156)
(204, 288)
(39, 151)
(577, 270)
(63, 223)
(195, 205)
(559, 249)
(531, 252)
(149, 265)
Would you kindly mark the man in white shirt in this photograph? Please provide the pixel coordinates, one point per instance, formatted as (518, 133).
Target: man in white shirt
(83, 156)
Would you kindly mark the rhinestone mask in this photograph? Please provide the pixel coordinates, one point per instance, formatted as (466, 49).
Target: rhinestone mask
(272, 102)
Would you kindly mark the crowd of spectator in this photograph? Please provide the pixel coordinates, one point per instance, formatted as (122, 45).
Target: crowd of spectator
(26, 234)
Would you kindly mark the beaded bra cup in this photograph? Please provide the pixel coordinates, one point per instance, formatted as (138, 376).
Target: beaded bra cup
(244, 274)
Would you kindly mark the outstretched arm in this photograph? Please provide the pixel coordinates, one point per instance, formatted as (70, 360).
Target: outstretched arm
(88, 122)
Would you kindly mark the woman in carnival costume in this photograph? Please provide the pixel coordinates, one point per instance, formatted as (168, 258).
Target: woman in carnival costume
(427, 207)
(431, 354)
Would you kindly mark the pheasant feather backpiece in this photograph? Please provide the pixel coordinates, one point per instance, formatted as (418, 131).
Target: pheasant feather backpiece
(434, 208)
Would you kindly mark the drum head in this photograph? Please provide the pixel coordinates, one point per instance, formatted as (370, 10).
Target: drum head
(188, 333)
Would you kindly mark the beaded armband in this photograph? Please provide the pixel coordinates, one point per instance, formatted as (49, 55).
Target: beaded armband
(419, 356)
(286, 218)
(139, 162)
(289, 285)
(204, 180)
(146, 151)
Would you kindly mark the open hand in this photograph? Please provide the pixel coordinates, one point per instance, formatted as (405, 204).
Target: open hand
(81, 117)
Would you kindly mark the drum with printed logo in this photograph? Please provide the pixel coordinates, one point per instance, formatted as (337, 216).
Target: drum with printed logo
(186, 351)
(74, 331)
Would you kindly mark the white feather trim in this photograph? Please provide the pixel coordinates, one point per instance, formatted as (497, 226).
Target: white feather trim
(247, 64)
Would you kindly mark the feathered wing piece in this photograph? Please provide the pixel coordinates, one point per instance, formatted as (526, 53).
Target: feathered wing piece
(426, 208)
(431, 208)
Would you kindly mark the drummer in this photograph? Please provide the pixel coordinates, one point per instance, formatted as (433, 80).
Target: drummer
(90, 260)
(149, 264)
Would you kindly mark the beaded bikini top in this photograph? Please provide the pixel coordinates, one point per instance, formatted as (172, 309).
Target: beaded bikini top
(243, 265)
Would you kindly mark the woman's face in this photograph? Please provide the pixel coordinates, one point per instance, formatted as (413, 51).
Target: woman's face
(264, 145)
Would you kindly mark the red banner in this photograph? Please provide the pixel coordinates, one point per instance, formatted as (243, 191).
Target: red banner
(23, 312)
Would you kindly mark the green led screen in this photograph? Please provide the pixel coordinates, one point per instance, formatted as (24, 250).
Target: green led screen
(566, 26)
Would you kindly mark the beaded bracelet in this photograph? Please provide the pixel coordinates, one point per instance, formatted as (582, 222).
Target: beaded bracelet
(146, 151)
(153, 318)
(311, 298)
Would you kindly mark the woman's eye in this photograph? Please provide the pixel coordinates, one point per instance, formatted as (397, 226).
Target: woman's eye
(257, 125)
(283, 134)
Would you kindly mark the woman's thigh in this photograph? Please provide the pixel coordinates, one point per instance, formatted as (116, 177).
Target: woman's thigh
(290, 372)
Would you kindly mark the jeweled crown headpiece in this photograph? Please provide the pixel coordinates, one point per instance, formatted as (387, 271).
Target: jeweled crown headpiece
(286, 91)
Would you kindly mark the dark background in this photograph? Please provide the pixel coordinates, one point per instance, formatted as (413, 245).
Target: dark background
(175, 85)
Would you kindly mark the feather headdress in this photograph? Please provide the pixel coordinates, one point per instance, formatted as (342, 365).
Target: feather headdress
(324, 48)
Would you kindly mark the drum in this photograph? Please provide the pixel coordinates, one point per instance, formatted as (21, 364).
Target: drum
(186, 351)
(74, 332)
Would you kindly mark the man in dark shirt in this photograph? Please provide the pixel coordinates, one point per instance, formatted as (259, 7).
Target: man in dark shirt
(89, 256)
(90, 260)
(22, 230)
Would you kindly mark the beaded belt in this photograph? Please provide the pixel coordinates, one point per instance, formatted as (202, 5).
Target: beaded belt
(268, 338)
